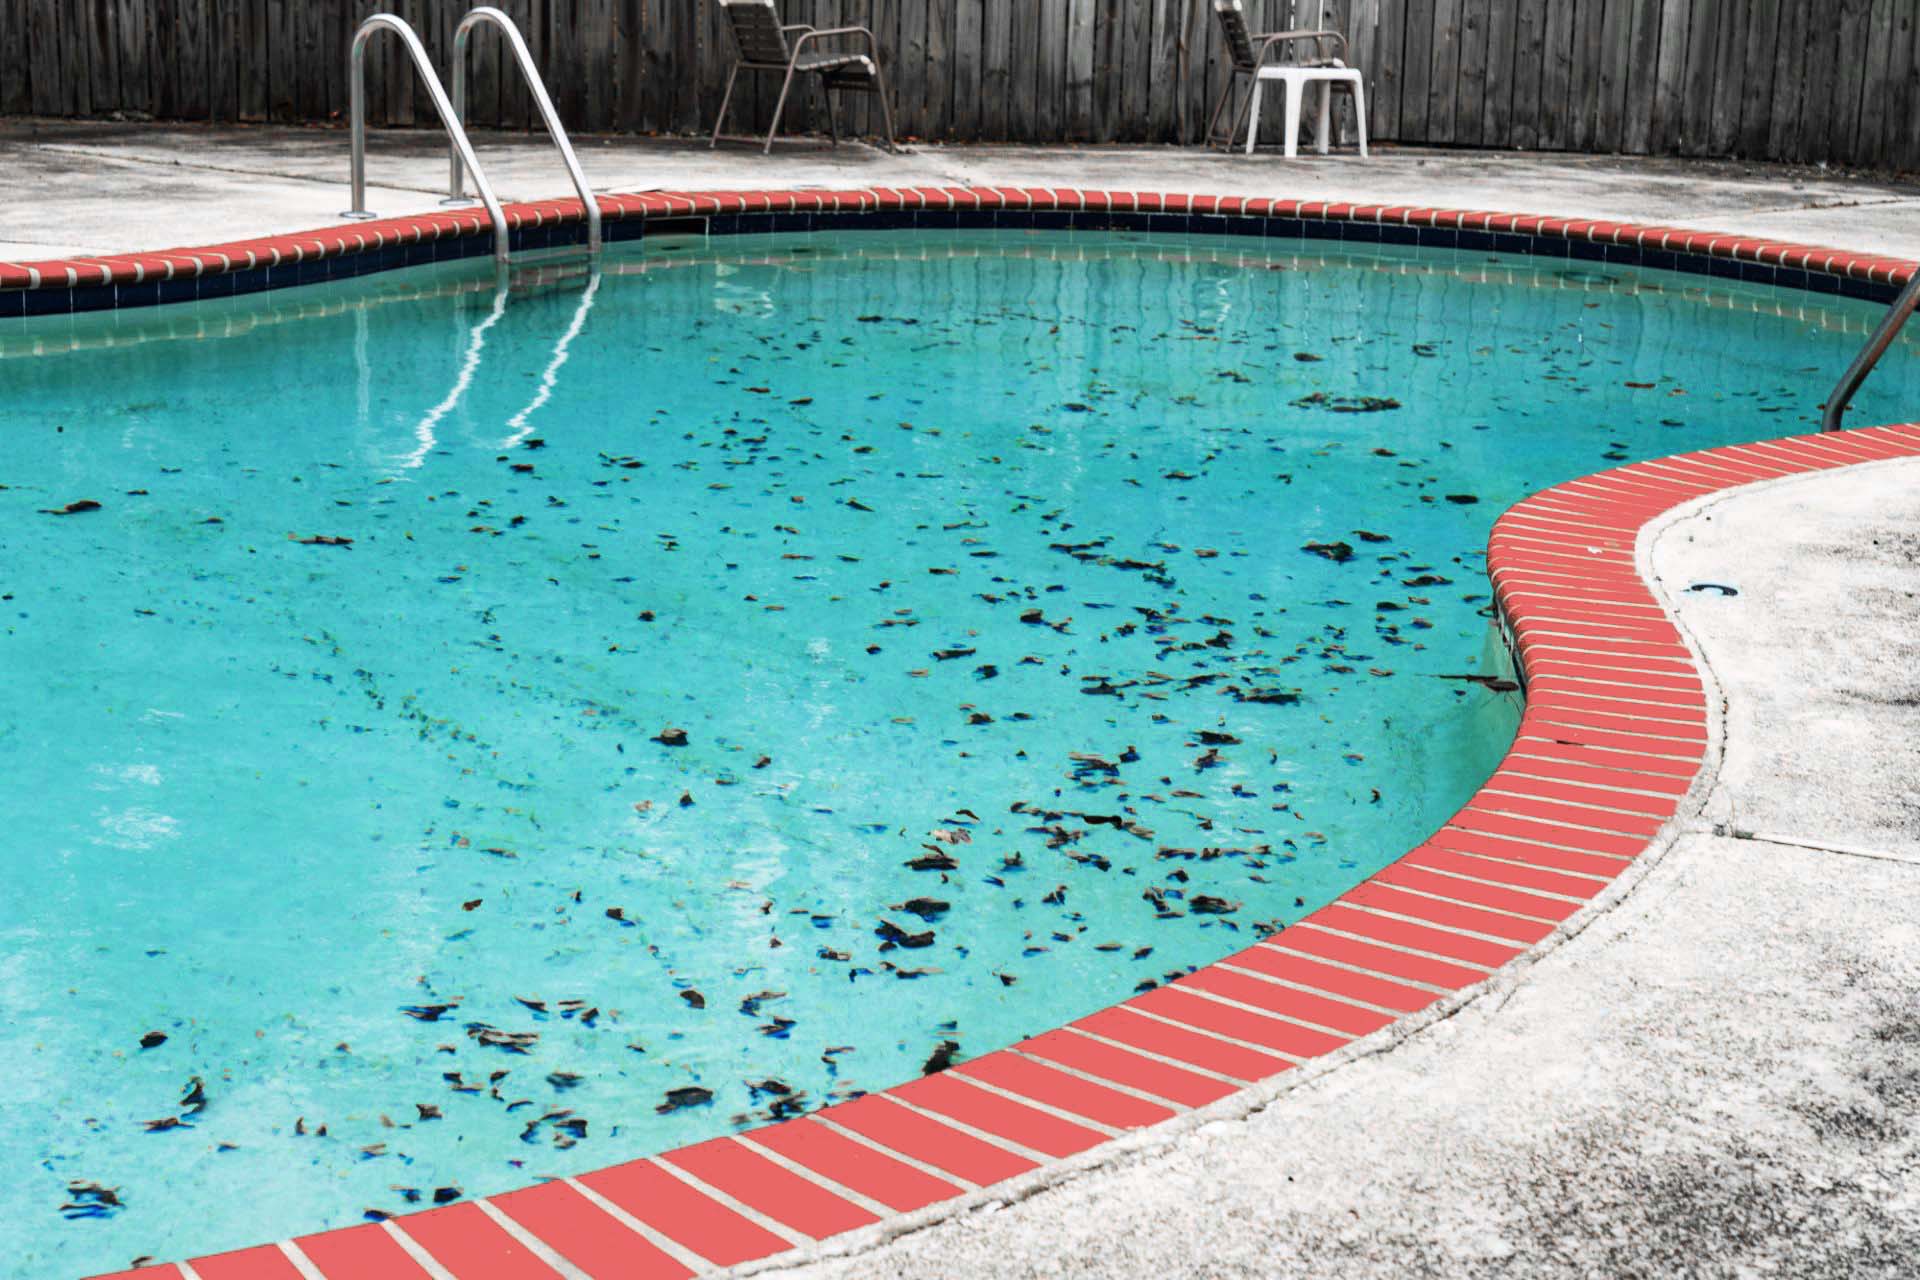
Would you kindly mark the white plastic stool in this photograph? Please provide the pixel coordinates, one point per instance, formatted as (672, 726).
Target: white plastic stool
(1295, 80)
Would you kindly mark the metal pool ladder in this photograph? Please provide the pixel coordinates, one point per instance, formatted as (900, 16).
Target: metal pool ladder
(538, 88)
(449, 118)
(1897, 313)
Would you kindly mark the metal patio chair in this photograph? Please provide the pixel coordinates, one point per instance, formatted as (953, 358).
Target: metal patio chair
(1247, 52)
(764, 46)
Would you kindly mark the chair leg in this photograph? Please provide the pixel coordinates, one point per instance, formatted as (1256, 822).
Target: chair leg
(1219, 105)
(1253, 114)
(1244, 116)
(1323, 123)
(1360, 115)
(886, 107)
(725, 98)
(779, 106)
(1292, 139)
(833, 123)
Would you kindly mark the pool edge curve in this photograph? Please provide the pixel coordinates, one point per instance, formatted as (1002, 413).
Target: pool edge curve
(1614, 750)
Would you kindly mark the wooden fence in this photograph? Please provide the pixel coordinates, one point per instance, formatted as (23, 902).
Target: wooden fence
(1769, 79)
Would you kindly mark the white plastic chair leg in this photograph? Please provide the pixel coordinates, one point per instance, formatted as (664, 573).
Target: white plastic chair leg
(1323, 123)
(1293, 116)
(1360, 115)
(1253, 115)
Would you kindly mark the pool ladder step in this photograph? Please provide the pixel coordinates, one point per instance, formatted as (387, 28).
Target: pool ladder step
(551, 269)
(452, 113)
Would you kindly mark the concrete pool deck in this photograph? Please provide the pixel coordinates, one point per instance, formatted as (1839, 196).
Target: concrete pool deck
(200, 185)
(1716, 1074)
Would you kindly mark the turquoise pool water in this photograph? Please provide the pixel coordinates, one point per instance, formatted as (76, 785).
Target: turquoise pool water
(472, 731)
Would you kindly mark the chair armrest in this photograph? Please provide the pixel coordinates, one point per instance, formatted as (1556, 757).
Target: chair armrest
(873, 46)
(795, 26)
(1267, 41)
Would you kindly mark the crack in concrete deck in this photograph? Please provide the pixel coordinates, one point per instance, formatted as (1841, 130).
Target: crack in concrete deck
(1789, 842)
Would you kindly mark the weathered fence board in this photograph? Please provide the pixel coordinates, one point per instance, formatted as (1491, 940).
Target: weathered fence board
(1878, 86)
(1696, 78)
(1676, 20)
(1817, 104)
(103, 60)
(1583, 91)
(1444, 81)
(1503, 32)
(1529, 70)
(1783, 119)
(1843, 125)
(1469, 112)
(1763, 79)
(43, 35)
(196, 64)
(1381, 52)
(1107, 72)
(1556, 75)
(1757, 90)
(1903, 98)
(16, 92)
(74, 55)
(1615, 74)
(1729, 76)
(1136, 77)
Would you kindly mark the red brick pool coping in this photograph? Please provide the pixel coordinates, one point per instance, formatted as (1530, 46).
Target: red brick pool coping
(140, 279)
(1614, 732)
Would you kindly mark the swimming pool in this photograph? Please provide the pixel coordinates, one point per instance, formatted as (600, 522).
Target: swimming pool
(934, 549)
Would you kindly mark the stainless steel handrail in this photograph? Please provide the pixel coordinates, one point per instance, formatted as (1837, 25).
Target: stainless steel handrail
(357, 100)
(1897, 313)
(538, 88)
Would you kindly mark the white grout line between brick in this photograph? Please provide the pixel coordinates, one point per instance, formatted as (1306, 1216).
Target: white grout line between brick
(1450, 873)
(1309, 990)
(301, 1262)
(739, 1206)
(1238, 1082)
(532, 1243)
(415, 1250)
(1432, 896)
(1266, 1051)
(1483, 971)
(1278, 942)
(820, 1180)
(1598, 882)
(1005, 1144)
(1058, 1113)
(931, 1170)
(1400, 918)
(1116, 1086)
(1320, 1028)
(665, 1243)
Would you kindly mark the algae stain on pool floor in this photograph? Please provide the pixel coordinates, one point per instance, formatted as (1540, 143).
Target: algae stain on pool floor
(446, 757)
